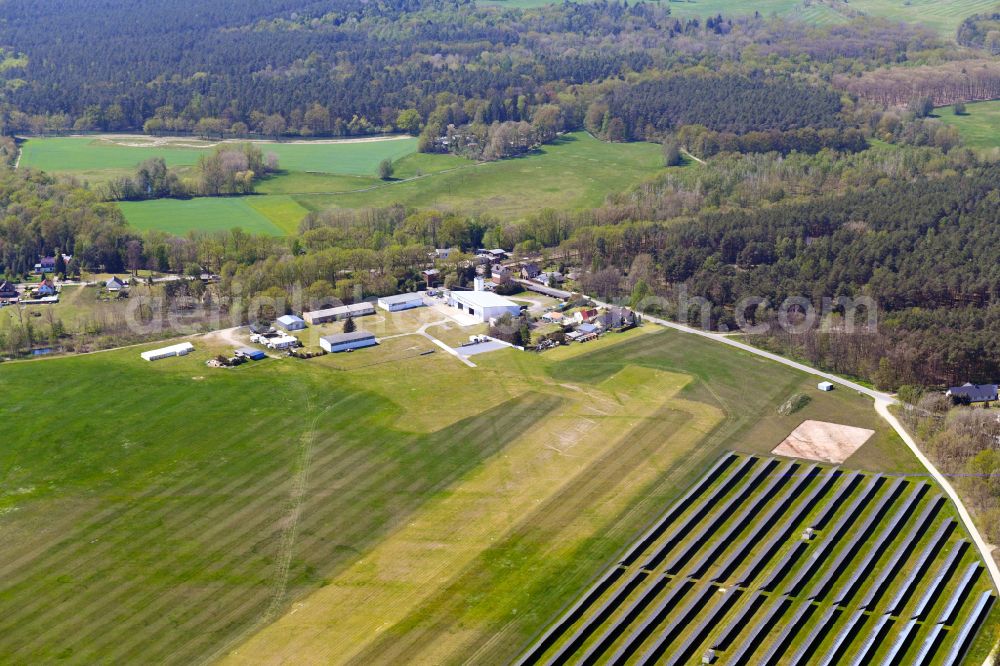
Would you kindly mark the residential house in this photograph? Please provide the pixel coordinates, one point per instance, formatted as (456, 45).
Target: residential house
(617, 319)
(114, 284)
(530, 271)
(550, 278)
(554, 317)
(585, 316)
(500, 272)
(45, 288)
(8, 291)
(46, 265)
(443, 252)
(973, 392)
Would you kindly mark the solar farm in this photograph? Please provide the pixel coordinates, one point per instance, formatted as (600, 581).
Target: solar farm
(775, 561)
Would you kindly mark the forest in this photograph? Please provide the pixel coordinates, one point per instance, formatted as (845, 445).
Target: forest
(305, 68)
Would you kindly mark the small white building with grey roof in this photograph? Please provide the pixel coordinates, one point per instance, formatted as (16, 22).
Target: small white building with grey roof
(290, 323)
(342, 342)
(401, 302)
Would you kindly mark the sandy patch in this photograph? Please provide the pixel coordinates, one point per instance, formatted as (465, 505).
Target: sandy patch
(822, 441)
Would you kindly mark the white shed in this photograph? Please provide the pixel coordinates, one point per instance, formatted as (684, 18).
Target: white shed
(181, 349)
(824, 386)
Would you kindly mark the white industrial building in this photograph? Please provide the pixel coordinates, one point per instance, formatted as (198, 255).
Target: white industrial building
(342, 342)
(401, 302)
(335, 314)
(182, 349)
(483, 305)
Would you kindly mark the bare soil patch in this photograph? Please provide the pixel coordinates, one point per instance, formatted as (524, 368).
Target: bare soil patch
(826, 442)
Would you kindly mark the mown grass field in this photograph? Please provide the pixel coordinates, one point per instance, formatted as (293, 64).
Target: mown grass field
(979, 127)
(576, 171)
(166, 512)
(275, 215)
(103, 157)
(943, 17)
(486, 604)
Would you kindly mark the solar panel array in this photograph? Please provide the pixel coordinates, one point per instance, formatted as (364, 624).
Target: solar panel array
(765, 561)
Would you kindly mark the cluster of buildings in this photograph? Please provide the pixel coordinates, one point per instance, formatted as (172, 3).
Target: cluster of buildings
(589, 323)
(44, 291)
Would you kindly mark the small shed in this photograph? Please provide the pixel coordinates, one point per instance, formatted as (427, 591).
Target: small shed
(291, 323)
(342, 342)
(825, 386)
(251, 353)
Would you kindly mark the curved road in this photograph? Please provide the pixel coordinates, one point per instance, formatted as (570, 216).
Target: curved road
(882, 403)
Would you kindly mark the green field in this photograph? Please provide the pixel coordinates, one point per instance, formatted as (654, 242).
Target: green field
(941, 15)
(275, 215)
(98, 159)
(165, 512)
(979, 127)
(576, 171)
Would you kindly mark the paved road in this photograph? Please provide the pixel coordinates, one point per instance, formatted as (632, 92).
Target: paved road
(882, 402)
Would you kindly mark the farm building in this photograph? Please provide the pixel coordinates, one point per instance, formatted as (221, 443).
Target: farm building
(181, 349)
(338, 313)
(291, 323)
(342, 342)
(824, 386)
(401, 302)
(114, 284)
(483, 305)
(251, 353)
(973, 392)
